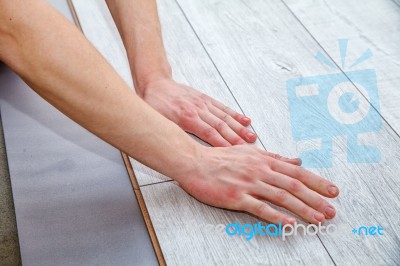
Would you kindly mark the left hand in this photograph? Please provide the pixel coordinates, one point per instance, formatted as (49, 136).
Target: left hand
(198, 113)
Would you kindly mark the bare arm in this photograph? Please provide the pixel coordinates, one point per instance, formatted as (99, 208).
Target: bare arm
(55, 59)
(138, 23)
(197, 113)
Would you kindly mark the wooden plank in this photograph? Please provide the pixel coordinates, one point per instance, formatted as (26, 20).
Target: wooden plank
(191, 233)
(257, 46)
(191, 66)
(371, 25)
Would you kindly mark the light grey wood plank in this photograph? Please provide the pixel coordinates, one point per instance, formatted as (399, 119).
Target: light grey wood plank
(257, 46)
(191, 233)
(191, 66)
(371, 25)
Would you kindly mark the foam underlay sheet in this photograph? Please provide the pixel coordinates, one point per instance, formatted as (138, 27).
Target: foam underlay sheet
(73, 199)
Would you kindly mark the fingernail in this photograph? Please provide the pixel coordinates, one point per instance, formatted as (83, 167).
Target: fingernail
(250, 135)
(246, 119)
(329, 211)
(319, 216)
(300, 161)
(333, 190)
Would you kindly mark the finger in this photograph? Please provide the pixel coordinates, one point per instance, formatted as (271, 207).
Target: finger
(285, 199)
(224, 130)
(245, 121)
(207, 133)
(264, 211)
(239, 129)
(298, 189)
(295, 161)
(311, 180)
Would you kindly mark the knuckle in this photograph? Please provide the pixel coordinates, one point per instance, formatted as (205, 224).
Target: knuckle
(295, 185)
(187, 116)
(226, 118)
(237, 140)
(209, 132)
(274, 217)
(276, 156)
(200, 102)
(251, 175)
(320, 204)
(225, 108)
(322, 183)
(273, 164)
(261, 209)
(220, 125)
(204, 98)
(306, 211)
(243, 131)
(281, 196)
(301, 173)
(234, 194)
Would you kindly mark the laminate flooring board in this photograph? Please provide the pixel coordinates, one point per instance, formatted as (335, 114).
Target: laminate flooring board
(373, 25)
(257, 46)
(191, 233)
(192, 66)
(73, 199)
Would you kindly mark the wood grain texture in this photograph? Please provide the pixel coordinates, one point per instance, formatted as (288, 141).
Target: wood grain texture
(192, 66)
(257, 46)
(371, 25)
(191, 233)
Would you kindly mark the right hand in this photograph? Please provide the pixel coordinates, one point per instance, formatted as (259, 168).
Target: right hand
(197, 113)
(243, 177)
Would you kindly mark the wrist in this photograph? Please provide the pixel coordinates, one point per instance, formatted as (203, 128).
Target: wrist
(142, 78)
(192, 165)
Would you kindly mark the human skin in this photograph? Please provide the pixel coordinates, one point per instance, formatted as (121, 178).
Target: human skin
(57, 61)
(194, 112)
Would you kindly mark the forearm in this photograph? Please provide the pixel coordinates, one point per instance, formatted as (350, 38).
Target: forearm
(61, 66)
(139, 26)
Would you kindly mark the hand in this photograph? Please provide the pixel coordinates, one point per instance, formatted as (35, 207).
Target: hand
(198, 113)
(242, 177)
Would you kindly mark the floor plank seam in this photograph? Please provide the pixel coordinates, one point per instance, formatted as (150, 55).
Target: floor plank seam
(155, 183)
(144, 210)
(396, 3)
